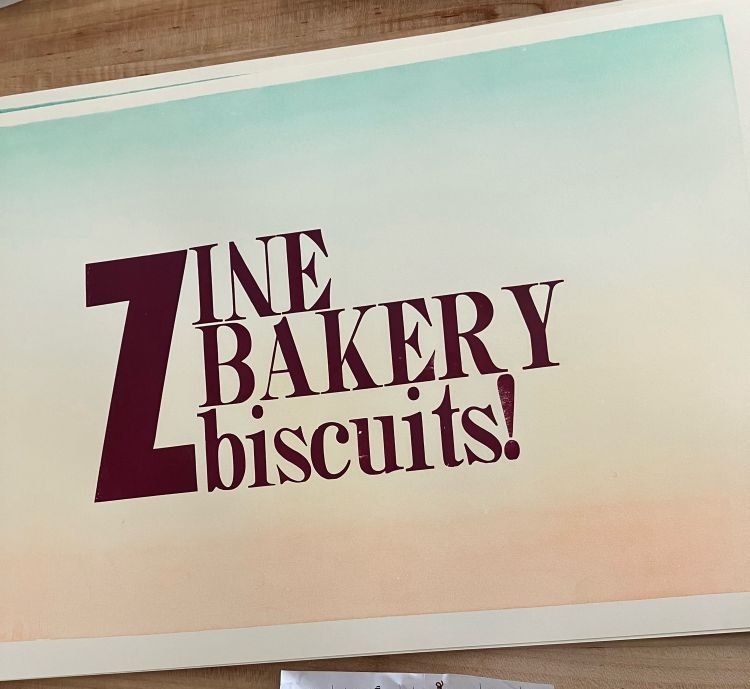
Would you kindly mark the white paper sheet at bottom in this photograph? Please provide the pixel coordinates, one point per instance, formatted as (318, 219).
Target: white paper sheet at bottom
(396, 680)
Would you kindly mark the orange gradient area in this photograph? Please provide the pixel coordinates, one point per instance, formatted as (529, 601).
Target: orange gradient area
(295, 573)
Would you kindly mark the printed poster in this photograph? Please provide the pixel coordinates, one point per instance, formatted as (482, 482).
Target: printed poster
(429, 344)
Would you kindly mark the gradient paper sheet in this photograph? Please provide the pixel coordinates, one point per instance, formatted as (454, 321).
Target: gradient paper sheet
(612, 162)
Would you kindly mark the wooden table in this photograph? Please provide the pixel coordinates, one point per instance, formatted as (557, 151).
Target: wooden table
(49, 43)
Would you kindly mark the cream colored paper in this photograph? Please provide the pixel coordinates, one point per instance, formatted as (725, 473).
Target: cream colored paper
(626, 514)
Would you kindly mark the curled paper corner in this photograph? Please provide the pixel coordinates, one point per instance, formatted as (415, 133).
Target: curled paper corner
(396, 680)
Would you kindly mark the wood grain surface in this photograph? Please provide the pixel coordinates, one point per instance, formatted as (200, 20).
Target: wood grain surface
(711, 662)
(50, 43)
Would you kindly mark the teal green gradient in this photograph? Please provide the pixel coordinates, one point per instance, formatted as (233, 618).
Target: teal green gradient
(507, 87)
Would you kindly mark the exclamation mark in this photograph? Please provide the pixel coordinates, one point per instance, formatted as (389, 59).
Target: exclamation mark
(506, 388)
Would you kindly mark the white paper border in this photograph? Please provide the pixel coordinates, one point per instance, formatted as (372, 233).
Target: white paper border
(528, 626)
